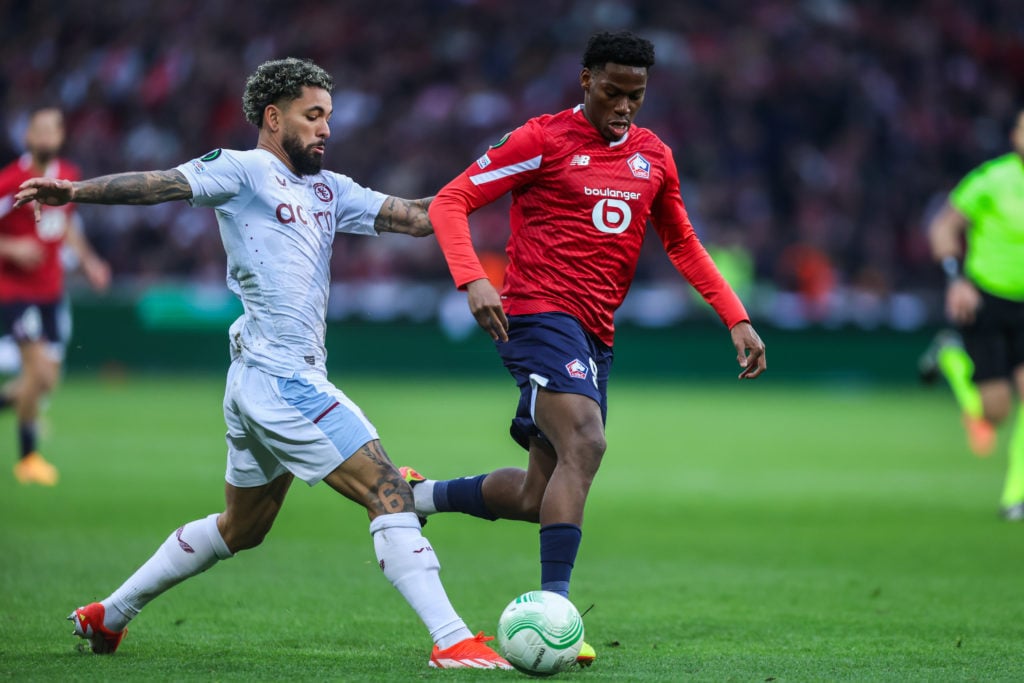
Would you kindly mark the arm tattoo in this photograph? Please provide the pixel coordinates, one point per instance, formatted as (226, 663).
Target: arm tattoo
(147, 187)
(407, 216)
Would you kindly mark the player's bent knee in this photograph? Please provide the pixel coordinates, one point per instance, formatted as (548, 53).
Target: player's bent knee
(585, 444)
(585, 457)
(596, 446)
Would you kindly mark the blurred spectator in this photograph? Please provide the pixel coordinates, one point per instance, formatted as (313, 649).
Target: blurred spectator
(798, 124)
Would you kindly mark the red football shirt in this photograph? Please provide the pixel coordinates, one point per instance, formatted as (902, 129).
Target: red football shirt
(44, 283)
(580, 207)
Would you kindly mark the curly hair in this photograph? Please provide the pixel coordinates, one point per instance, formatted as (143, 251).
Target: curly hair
(624, 47)
(277, 80)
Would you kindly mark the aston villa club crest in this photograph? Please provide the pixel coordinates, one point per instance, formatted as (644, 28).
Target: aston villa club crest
(639, 166)
(576, 368)
(323, 192)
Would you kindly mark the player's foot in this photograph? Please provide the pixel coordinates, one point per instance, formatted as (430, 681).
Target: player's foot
(586, 656)
(470, 653)
(1013, 513)
(411, 475)
(981, 435)
(928, 363)
(89, 625)
(414, 478)
(33, 469)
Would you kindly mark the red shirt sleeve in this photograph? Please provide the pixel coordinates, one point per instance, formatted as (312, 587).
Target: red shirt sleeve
(509, 163)
(449, 214)
(688, 255)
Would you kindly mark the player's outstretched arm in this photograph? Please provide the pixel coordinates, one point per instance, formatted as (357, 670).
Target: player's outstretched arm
(749, 350)
(146, 187)
(407, 216)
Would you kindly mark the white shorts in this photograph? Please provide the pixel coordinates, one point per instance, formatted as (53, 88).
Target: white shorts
(301, 424)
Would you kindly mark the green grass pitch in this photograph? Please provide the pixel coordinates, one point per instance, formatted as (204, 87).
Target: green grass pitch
(736, 532)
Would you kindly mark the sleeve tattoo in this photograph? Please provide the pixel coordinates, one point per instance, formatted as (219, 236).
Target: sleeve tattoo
(147, 187)
(408, 216)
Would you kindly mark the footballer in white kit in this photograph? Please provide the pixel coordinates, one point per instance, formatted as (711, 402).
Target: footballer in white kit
(278, 213)
(278, 230)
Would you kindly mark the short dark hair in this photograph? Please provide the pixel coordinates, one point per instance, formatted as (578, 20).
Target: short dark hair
(625, 48)
(280, 79)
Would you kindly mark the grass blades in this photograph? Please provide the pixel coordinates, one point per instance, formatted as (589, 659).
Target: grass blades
(736, 532)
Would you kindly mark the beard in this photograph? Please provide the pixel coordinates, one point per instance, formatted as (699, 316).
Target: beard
(43, 156)
(304, 159)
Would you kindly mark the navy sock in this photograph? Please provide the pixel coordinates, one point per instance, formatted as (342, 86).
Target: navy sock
(462, 495)
(27, 438)
(558, 546)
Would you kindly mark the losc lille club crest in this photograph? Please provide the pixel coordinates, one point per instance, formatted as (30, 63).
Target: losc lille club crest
(576, 368)
(639, 166)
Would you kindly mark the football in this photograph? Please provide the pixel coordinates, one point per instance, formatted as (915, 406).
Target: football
(540, 633)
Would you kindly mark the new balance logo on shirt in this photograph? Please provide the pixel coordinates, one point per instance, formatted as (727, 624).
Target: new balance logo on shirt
(580, 160)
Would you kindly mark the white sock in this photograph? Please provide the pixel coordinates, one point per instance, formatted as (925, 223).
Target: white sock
(190, 550)
(411, 566)
(423, 497)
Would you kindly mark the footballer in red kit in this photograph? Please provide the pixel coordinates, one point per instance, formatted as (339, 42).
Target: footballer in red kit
(41, 281)
(584, 183)
(32, 283)
(580, 207)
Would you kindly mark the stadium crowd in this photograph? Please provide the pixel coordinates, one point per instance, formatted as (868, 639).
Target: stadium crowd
(814, 137)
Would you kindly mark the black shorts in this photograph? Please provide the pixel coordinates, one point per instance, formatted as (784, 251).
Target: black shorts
(553, 351)
(995, 340)
(31, 322)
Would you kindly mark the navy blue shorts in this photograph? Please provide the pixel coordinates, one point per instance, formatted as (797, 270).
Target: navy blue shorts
(553, 351)
(31, 322)
(995, 340)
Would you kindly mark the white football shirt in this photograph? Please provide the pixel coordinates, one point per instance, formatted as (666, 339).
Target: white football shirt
(278, 229)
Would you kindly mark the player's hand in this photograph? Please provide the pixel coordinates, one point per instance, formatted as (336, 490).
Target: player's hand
(49, 191)
(749, 350)
(485, 305)
(24, 252)
(962, 301)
